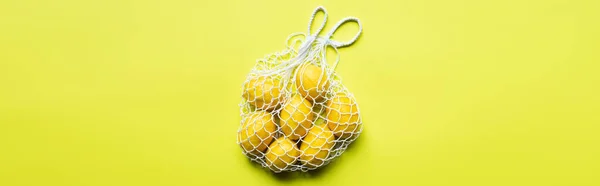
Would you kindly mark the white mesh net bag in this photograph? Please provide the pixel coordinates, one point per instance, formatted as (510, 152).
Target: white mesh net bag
(296, 113)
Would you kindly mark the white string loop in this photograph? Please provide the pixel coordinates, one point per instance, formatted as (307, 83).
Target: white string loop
(312, 18)
(327, 38)
(339, 44)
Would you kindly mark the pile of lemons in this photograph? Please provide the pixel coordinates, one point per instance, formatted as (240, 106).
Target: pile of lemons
(282, 130)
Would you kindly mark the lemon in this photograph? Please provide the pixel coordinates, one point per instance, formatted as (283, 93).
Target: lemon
(316, 146)
(342, 115)
(311, 82)
(264, 92)
(282, 154)
(257, 132)
(296, 117)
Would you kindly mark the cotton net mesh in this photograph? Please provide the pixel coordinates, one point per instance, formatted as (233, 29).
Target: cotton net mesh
(296, 113)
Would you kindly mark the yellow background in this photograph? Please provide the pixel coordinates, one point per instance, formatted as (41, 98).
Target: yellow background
(138, 92)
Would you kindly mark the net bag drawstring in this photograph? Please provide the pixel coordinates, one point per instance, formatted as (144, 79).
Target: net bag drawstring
(321, 42)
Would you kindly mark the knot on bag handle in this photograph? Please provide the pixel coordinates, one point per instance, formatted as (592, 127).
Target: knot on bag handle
(327, 39)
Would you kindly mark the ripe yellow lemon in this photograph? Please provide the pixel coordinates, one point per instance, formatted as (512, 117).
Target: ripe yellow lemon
(312, 82)
(296, 117)
(342, 116)
(316, 146)
(282, 154)
(257, 132)
(264, 92)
